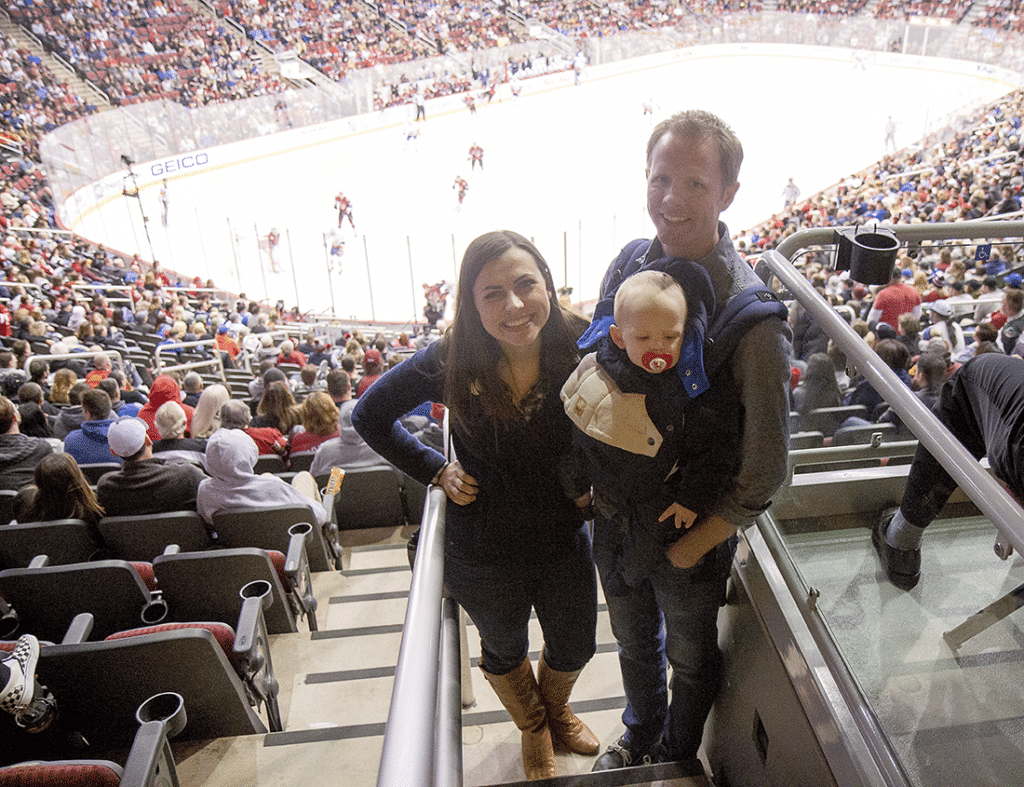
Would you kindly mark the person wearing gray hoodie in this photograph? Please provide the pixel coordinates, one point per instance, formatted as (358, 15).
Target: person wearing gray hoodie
(230, 458)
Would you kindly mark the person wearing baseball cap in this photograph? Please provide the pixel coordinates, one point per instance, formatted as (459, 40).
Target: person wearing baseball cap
(373, 368)
(144, 484)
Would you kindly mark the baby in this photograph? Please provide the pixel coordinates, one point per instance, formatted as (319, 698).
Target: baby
(653, 447)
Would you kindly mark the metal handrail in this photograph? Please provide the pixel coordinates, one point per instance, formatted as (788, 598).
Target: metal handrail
(801, 457)
(982, 488)
(115, 356)
(215, 360)
(423, 737)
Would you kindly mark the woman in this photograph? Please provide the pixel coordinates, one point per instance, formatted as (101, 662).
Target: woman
(165, 388)
(818, 386)
(277, 409)
(206, 419)
(514, 540)
(172, 424)
(63, 381)
(60, 492)
(319, 422)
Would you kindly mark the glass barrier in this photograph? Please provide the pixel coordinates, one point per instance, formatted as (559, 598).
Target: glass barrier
(942, 681)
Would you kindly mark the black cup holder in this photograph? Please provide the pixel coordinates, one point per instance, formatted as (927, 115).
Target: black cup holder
(168, 708)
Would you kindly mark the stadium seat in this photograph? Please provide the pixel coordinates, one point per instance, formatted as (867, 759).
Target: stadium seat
(269, 463)
(94, 471)
(268, 528)
(100, 683)
(145, 537)
(7, 505)
(301, 460)
(48, 598)
(150, 762)
(827, 419)
(368, 499)
(205, 586)
(62, 541)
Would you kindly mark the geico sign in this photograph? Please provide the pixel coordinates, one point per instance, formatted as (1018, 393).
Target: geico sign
(176, 164)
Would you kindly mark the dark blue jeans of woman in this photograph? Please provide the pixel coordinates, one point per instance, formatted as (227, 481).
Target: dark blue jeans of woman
(499, 599)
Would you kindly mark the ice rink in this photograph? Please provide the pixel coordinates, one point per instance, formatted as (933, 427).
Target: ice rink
(563, 165)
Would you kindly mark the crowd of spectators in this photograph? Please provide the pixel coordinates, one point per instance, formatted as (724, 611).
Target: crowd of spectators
(1002, 15)
(140, 51)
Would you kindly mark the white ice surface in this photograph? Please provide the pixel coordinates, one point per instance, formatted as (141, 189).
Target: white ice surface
(564, 166)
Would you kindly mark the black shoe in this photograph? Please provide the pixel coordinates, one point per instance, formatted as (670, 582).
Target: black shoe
(618, 756)
(901, 566)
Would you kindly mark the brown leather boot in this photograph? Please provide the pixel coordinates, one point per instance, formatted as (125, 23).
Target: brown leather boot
(555, 688)
(520, 694)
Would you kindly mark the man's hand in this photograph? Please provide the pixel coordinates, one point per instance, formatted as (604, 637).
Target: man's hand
(700, 539)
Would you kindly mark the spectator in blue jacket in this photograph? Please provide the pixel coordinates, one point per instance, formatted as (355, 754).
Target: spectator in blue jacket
(88, 445)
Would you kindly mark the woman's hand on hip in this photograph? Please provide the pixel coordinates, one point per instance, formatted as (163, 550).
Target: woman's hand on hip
(459, 485)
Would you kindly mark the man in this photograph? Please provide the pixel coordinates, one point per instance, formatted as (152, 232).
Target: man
(71, 417)
(103, 367)
(144, 485)
(1011, 330)
(983, 407)
(986, 305)
(1008, 204)
(19, 454)
(88, 444)
(118, 406)
(693, 162)
(11, 377)
(894, 299)
(193, 388)
(339, 386)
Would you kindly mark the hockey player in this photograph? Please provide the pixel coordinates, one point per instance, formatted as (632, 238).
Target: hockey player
(344, 207)
(476, 156)
(462, 186)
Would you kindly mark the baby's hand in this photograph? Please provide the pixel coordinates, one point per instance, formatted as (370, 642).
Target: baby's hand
(683, 516)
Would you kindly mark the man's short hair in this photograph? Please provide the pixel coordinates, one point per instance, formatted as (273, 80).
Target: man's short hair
(110, 386)
(7, 414)
(102, 361)
(30, 392)
(38, 369)
(1015, 298)
(6, 360)
(932, 367)
(97, 404)
(78, 390)
(308, 373)
(339, 384)
(193, 383)
(348, 363)
(699, 124)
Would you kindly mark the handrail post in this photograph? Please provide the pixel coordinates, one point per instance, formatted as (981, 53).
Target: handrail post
(407, 759)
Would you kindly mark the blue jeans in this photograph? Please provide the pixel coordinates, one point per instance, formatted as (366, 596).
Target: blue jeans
(499, 600)
(669, 618)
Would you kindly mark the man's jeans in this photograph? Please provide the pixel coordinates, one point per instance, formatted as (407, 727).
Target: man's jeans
(671, 617)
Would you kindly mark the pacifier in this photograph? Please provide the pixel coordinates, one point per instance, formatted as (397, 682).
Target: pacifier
(656, 362)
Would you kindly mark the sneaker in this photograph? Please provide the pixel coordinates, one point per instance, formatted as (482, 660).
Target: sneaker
(20, 688)
(901, 566)
(619, 756)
